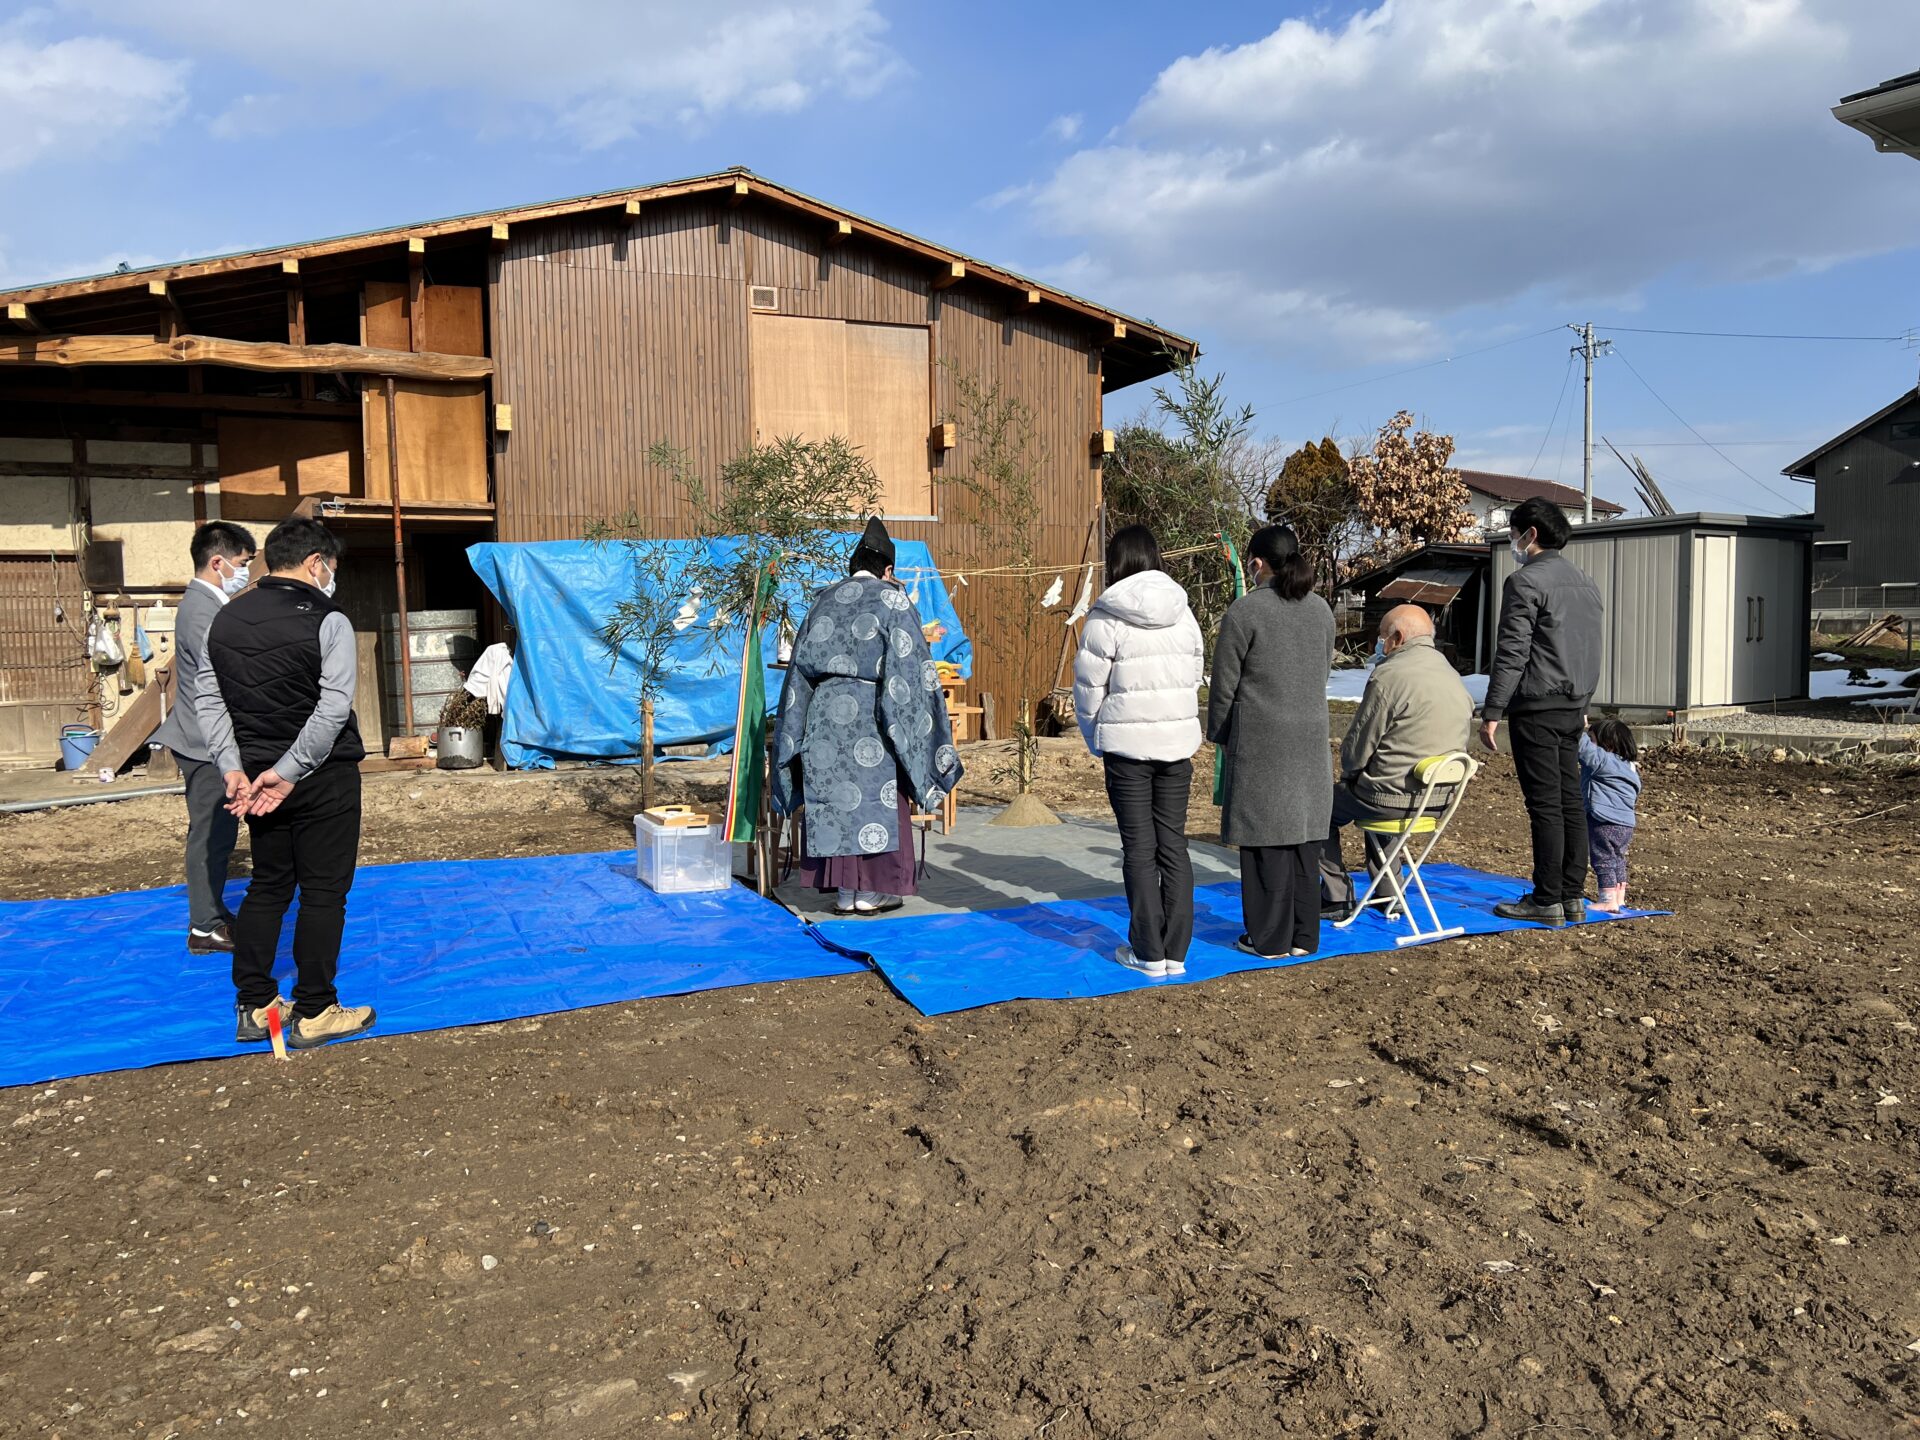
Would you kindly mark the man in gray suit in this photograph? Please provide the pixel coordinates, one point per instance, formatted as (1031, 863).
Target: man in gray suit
(222, 558)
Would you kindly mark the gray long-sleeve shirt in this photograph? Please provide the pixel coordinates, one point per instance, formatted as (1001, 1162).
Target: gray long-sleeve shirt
(339, 677)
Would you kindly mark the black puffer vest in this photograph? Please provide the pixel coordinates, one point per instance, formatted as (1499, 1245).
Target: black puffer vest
(265, 649)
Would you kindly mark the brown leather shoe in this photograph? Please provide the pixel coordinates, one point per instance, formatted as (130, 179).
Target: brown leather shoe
(216, 939)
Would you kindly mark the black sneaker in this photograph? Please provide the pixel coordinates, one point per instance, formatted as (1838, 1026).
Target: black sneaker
(1246, 946)
(1527, 908)
(216, 939)
(250, 1025)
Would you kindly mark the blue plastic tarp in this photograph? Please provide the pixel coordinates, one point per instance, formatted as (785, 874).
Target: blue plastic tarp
(566, 703)
(429, 946)
(1063, 949)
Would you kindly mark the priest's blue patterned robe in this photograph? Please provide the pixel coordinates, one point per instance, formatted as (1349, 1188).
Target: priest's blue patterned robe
(861, 710)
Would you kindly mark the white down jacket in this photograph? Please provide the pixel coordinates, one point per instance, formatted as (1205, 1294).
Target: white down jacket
(1137, 679)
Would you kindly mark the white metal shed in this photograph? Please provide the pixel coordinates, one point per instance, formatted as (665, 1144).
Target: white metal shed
(1701, 610)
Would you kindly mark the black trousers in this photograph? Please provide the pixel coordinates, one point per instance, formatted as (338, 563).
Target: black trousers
(1347, 808)
(1280, 896)
(311, 843)
(1149, 799)
(1546, 753)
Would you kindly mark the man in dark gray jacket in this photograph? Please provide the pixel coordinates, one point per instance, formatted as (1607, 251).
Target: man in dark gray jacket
(1546, 666)
(222, 556)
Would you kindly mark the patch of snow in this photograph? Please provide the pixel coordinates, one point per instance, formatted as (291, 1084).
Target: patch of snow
(1833, 684)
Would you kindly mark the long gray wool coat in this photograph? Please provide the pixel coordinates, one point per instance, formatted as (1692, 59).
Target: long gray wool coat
(1268, 707)
(860, 709)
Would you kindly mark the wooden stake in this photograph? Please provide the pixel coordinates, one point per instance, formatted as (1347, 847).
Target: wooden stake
(646, 753)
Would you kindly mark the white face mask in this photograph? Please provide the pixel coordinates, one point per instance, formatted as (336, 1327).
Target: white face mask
(333, 581)
(1519, 549)
(235, 580)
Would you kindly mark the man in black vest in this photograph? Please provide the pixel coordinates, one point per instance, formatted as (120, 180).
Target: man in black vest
(278, 707)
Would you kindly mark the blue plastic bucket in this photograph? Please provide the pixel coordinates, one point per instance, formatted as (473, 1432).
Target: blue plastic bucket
(76, 745)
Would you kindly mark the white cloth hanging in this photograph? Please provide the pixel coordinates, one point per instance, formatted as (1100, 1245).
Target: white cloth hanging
(490, 676)
(1053, 593)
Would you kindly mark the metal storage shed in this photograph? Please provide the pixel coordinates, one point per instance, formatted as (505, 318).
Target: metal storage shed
(1701, 610)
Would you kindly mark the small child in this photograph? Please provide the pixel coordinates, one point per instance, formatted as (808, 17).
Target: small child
(1610, 785)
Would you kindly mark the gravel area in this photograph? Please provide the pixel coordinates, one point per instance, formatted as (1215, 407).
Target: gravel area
(1828, 726)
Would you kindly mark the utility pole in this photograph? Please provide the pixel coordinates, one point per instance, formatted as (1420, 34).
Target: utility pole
(1586, 349)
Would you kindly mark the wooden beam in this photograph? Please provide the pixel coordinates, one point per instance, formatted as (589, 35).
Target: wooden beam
(103, 470)
(841, 232)
(23, 316)
(289, 267)
(1033, 297)
(416, 301)
(69, 350)
(52, 395)
(738, 192)
(945, 436)
(1102, 444)
(1119, 330)
(632, 209)
(502, 419)
(416, 245)
(297, 325)
(497, 237)
(953, 274)
(171, 320)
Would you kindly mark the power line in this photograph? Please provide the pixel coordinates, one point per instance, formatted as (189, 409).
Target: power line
(1749, 335)
(1415, 369)
(1565, 376)
(1698, 436)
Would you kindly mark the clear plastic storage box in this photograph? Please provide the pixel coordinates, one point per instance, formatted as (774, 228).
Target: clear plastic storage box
(680, 853)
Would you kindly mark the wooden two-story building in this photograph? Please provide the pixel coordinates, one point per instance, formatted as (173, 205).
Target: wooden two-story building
(503, 376)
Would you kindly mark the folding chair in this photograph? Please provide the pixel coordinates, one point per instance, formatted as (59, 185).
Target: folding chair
(1420, 832)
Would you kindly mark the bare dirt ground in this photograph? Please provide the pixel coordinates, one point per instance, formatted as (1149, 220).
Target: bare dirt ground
(1656, 1179)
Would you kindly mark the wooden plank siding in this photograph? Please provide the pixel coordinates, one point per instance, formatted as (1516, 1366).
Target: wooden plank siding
(610, 334)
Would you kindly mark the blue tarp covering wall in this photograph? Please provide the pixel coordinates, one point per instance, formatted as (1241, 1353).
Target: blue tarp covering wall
(429, 945)
(563, 702)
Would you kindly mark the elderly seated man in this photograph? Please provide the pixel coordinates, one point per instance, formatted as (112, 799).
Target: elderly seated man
(1414, 707)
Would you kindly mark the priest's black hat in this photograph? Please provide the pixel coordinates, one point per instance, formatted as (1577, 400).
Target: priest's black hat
(875, 550)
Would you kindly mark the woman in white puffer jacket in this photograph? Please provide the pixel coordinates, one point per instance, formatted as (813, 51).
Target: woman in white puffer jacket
(1136, 689)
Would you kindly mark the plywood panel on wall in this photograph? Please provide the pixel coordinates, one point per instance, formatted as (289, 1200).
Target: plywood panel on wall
(267, 466)
(451, 320)
(442, 429)
(386, 316)
(799, 378)
(888, 413)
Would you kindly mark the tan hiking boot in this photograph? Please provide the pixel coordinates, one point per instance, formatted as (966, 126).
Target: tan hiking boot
(250, 1025)
(336, 1022)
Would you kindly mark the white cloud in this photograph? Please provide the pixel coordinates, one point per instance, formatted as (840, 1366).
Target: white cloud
(63, 98)
(599, 71)
(1349, 187)
(1065, 128)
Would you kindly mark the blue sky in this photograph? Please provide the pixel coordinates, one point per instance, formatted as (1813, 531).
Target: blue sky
(1320, 195)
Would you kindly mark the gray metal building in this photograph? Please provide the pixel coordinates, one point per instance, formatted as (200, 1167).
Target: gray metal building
(1866, 486)
(1701, 610)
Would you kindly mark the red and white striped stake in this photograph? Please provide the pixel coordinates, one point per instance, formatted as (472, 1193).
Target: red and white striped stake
(275, 1034)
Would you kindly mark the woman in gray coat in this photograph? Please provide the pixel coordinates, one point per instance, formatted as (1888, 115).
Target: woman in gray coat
(1268, 710)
